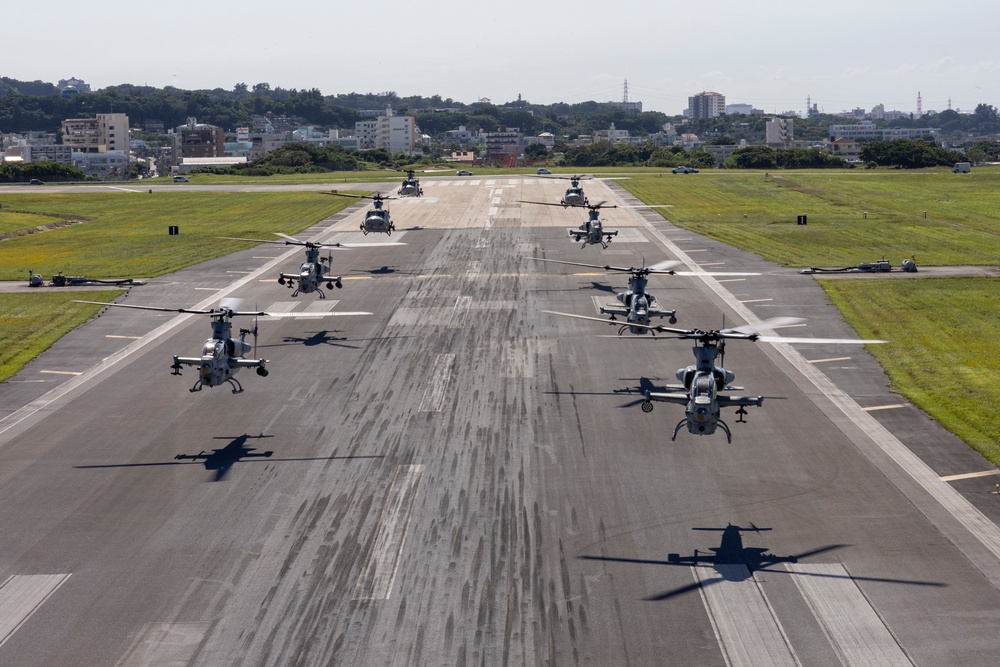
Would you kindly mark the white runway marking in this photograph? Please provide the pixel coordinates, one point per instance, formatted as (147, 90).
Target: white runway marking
(216, 289)
(62, 372)
(165, 645)
(885, 407)
(601, 301)
(823, 361)
(630, 235)
(21, 596)
(854, 628)
(379, 572)
(753, 300)
(970, 475)
(748, 630)
(433, 399)
(117, 336)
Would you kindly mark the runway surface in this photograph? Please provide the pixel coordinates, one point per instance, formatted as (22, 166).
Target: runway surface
(460, 478)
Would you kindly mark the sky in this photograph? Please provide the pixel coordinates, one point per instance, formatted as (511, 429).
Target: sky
(772, 54)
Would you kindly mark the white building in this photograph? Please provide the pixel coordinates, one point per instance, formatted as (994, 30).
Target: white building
(396, 134)
(706, 105)
(779, 131)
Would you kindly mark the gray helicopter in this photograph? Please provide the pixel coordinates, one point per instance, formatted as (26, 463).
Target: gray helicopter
(574, 194)
(411, 186)
(702, 382)
(222, 355)
(638, 306)
(592, 230)
(313, 272)
(377, 219)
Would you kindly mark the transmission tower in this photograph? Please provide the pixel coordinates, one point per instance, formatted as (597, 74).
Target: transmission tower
(920, 105)
(625, 93)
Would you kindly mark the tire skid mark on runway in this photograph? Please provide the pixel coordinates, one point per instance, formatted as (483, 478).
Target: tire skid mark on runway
(379, 572)
(434, 395)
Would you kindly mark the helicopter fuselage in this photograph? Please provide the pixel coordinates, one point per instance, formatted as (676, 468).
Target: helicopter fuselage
(312, 273)
(410, 189)
(377, 220)
(639, 306)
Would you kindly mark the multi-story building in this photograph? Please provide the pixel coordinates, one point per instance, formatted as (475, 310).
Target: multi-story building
(706, 105)
(866, 131)
(779, 131)
(106, 132)
(396, 134)
(196, 139)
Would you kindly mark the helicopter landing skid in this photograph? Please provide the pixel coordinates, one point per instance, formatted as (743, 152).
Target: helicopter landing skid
(678, 428)
(725, 427)
(237, 387)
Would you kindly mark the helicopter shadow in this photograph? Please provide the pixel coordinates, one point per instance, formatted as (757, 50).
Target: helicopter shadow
(221, 460)
(735, 562)
(321, 337)
(594, 285)
(644, 385)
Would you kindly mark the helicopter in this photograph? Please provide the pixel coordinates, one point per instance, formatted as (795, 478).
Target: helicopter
(702, 382)
(637, 304)
(313, 272)
(222, 355)
(377, 219)
(411, 186)
(592, 230)
(574, 194)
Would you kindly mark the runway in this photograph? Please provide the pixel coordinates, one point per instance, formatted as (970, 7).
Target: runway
(460, 478)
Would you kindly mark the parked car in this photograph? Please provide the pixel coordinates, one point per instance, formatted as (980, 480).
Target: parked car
(35, 181)
(463, 172)
(542, 171)
(684, 170)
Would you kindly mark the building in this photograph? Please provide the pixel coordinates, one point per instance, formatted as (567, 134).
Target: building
(744, 109)
(505, 141)
(396, 134)
(79, 84)
(105, 165)
(866, 131)
(779, 132)
(706, 105)
(196, 139)
(849, 149)
(106, 132)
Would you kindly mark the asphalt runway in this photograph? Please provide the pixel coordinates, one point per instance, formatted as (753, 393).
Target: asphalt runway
(460, 478)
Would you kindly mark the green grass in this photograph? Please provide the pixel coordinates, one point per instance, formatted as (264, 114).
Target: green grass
(942, 349)
(853, 216)
(127, 235)
(32, 322)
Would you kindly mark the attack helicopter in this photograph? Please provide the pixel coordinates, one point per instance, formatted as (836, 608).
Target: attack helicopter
(702, 382)
(377, 218)
(592, 230)
(638, 306)
(222, 355)
(411, 186)
(313, 272)
(574, 194)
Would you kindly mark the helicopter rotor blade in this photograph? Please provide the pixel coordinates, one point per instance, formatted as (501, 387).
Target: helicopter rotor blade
(237, 238)
(164, 310)
(764, 325)
(822, 341)
(290, 238)
(585, 317)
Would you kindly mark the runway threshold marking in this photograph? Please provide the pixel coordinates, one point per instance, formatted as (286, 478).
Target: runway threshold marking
(433, 399)
(969, 475)
(852, 625)
(875, 408)
(746, 626)
(21, 596)
(379, 572)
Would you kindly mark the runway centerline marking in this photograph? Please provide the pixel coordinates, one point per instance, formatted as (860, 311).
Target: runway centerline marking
(21, 596)
(379, 572)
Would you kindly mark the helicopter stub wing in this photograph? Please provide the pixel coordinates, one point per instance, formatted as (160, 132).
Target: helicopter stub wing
(236, 362)
(734, 401)
(187, 361)
(678, 397)
(613, 310)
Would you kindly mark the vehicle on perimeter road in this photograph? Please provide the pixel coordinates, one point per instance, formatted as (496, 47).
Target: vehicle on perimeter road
(542, 171)
(464, 172)
(35, 181)
(684, 170)
(180, 179)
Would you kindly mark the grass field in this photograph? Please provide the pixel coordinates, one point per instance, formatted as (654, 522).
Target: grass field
(33, 322)
(853, 215)
(942, 351)
(126, 235)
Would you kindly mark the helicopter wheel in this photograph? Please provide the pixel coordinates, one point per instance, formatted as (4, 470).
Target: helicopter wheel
(281, 281)
(647, 406)
(672, 320)
(263, 372)
(339, 285)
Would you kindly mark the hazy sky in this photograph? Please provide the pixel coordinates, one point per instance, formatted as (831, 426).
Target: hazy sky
(769, 53)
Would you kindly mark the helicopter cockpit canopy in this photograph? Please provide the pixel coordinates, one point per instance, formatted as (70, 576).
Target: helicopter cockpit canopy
(307, 269)
(213, 348)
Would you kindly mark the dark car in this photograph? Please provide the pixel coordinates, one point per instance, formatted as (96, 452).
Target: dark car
(35, 181)
(684, 170)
